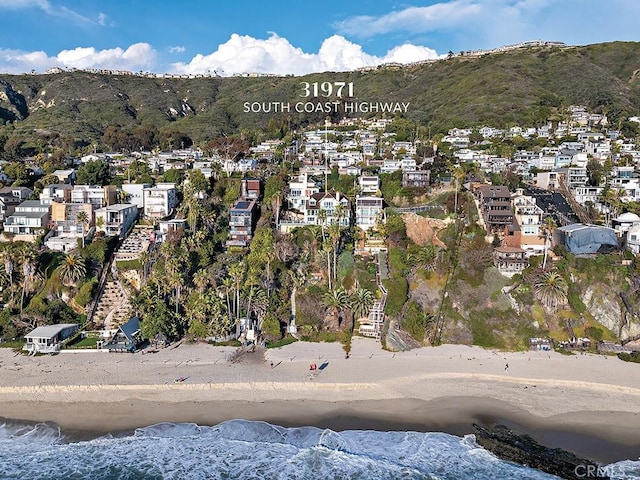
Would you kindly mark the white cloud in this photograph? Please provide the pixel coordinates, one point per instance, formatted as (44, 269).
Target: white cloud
(103, 18)
(140, 56)
(242, 54)
(476, 24)
(177, 49)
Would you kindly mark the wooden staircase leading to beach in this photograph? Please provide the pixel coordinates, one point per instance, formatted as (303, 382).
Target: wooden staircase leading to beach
(375, 321)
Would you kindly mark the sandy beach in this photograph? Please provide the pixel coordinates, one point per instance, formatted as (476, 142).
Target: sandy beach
(588, 404)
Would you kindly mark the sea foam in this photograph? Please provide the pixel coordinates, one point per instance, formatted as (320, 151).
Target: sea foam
(240, 449)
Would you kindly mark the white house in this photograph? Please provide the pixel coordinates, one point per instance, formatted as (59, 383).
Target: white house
(159, 201)
(48, 339)
(29, 219)
(368, 210)
(369, 184)
(116, 219)
(325, 205)
(300, 190)
(135, 193)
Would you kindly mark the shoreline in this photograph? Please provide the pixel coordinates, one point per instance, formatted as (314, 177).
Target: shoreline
(585, 404)
(579, 433)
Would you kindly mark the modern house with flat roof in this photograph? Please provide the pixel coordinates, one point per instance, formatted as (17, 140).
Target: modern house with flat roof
(28, 220)
(242, 217)
(116, 219)
(48, 339)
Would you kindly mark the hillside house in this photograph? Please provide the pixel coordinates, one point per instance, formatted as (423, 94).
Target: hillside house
(242, 220)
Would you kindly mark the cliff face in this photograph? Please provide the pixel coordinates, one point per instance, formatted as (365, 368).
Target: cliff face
(13, 105)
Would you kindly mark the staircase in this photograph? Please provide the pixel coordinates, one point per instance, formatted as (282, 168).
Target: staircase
(375, 321)
(113, 306)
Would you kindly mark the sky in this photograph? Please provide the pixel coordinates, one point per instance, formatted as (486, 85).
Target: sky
(288, 37)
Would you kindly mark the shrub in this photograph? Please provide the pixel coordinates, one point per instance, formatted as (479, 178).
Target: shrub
(86, 292)
(397, 290)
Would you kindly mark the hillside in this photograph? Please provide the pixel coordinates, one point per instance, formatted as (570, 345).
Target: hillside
(519, 86)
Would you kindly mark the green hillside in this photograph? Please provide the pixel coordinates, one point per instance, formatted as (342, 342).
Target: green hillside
(523, 86)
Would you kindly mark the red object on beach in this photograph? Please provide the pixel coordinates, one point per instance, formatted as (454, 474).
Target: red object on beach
(312, 366)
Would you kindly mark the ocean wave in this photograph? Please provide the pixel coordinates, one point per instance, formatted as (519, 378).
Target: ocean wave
(240, 449)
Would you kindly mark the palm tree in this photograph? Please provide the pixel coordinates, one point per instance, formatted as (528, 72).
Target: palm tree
(27, 256)
(425, 259)
(201, 279)
(336, 300)
(551, 289)
(547, 233)
(335, 234)
(7, 254)
(144, 258)
(83, 218)
(72, 269)
(361, 302)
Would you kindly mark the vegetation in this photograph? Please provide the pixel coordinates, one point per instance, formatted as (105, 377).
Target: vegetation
(526, 86)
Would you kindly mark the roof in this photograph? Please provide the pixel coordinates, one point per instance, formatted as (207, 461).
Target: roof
(581, 239)
(507, 249)
(131, 328)
(49, 331)
(117, 207)
(627, 217)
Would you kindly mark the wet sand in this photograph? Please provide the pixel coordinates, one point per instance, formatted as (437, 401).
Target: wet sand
(587, 404)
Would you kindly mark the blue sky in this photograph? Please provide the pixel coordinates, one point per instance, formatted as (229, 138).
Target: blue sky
(236, 36)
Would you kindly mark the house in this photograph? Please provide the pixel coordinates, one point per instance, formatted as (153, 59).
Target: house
(48, 339)
(56, 192)
(369, 184)
(135, 193)
(242, 218)
(368, 211)
(126, 338)
(28, 220)
(299, 192)
(251, 188)
(21, 193)
(495, 207)
(528, 217)
(633, 239)
(66, 176)
(160, 201)
(416, 178)
(94, 194)
(509, 260)
(580, 238)
(326, 208)
(166, 227)
(8, 204)
(116, 219)
(64, 219)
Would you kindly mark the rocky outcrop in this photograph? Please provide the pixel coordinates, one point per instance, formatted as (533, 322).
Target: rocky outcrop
(604, 304)
(423, 230)
(13, 105)
(520, 448)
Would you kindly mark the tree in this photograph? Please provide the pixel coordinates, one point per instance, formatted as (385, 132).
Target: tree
(547, 233)
(198, 183)
(72, 269)
(361, 302)
(173, 175)
(426, 258)
(551, 289)
(336, 301)
(83, 218)
(595, 172)
(27, 258)
(8, 256)
(94, 172)
(16, 171)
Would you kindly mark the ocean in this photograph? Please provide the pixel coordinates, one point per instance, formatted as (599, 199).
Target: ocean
(239, 449)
